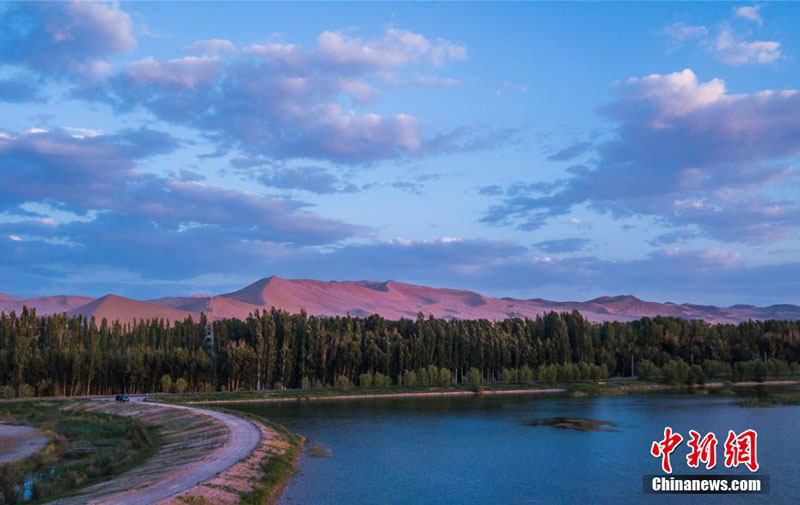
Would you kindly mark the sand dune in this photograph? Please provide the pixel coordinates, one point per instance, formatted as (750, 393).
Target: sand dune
(390, 299)
(44, 305)
(126, 310)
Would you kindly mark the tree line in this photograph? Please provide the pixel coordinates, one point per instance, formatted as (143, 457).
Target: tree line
(272, 349)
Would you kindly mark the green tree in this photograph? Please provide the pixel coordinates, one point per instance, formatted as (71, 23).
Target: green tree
(166, 383)
(181, 386)
(475, 380)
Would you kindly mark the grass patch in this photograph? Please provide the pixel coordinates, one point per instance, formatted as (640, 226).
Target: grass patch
(319, 450)
(277, 469)
(85, 448)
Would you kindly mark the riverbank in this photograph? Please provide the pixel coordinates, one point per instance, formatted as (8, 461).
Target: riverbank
(255, 480)
(366, 396)
(603, 388)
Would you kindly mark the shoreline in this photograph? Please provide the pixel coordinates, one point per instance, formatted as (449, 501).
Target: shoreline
(277, 491)
(284, 399)
(624, 389)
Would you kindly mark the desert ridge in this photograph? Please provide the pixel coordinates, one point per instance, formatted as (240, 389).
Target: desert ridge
(389, 299)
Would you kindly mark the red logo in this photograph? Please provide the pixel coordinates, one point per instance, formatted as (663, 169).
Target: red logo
(739, 449)
(665, 447)
(703, 451)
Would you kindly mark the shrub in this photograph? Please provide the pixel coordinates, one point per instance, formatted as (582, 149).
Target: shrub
(181, 386)
(26, 391)
(525, 373)
(381, 380)
(507, 375)
(475, 380)
(166, 384)
(568, 372)
(777, 367)
(409, 378)
(696, 375)
(547, 373)
(598, 372)
(305, 383)
(365, 380)
(343, 382)
(8, 391)
(750, 370)
(648, 370)
(675, 371)
(422, 377)
(136, 434)
(715, 368)
(445, 377)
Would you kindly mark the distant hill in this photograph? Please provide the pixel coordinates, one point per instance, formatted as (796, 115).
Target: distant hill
(390, 299)
(44, 305)
(126, 310)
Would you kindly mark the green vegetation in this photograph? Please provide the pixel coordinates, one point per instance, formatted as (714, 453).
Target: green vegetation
(63, 356)
(85, 448)
(278, 468)
(319, 450)
(475, 380)
(768, 396)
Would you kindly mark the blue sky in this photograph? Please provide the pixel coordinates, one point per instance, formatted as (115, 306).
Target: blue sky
(556, 150)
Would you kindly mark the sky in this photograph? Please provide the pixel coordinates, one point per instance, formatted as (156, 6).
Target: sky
(553, 150)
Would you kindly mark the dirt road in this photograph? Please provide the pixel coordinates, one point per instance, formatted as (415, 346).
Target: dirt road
(181, 463)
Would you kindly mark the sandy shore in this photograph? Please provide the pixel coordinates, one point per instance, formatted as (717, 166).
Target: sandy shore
(19, 442)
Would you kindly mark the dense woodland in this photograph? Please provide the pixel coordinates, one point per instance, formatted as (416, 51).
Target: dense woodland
(57, 355)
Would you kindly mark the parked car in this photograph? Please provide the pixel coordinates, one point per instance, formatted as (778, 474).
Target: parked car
(123, 398)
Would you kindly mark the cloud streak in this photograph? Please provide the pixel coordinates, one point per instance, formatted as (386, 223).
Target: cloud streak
(688, 153)
(99, 174)
(65, 39)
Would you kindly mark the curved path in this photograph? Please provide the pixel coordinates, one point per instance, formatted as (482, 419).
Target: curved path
(241, 439)
(19, 442)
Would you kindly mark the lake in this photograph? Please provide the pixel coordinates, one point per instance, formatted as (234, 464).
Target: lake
(479, 449)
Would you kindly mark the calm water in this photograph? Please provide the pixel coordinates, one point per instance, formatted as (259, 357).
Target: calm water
(478, 450)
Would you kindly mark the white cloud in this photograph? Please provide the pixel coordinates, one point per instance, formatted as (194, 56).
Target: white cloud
(675, 94)
(733, 51)
(749, 12)
(186, 72)
(397, 48)
(211, 47)
(725, 43)
(681, 32)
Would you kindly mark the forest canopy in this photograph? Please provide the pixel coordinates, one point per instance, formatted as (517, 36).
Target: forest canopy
(63, 356)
